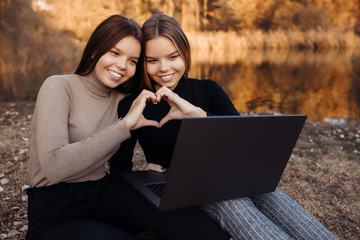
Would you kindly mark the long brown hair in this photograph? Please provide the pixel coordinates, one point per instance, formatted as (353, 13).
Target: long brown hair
(166, 26)
(105, 36)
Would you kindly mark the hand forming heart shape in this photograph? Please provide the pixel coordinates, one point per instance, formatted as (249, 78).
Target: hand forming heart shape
(179, 108)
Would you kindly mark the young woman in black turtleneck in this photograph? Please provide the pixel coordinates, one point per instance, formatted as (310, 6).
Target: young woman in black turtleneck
(167, 61)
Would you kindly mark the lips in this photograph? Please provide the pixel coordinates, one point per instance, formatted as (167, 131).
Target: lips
(167, 77)
(115, 74)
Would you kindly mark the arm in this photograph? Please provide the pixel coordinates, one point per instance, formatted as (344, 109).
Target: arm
(179, 107)
(61, 160)
(206, 98)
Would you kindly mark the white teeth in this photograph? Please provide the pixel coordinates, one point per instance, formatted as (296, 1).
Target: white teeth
(114, 74)
(166, 77)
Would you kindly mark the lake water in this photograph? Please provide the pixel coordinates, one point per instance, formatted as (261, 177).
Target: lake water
(324, 85)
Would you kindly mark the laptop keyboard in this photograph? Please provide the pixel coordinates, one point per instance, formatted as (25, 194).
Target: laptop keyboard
(157, 188)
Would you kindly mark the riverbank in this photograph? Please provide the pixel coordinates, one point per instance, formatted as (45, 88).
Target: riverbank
(323, 174)
(314, 39)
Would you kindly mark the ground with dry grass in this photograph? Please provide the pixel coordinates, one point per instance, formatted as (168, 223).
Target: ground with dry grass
(323, 174)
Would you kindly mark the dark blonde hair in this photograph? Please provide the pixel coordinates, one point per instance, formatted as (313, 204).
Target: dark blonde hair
(105, 36)
(166, 26)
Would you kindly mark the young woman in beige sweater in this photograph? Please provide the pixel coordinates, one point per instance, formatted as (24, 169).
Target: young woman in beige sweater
(75, 130)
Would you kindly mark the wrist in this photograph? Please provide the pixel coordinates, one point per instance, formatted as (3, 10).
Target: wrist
(126, 122)
(198, 112)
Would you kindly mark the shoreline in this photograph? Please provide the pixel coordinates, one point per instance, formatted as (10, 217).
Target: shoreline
(322, 175)
(312, 39)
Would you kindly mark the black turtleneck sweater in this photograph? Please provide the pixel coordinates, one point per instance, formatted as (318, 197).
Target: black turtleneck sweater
(158, 143)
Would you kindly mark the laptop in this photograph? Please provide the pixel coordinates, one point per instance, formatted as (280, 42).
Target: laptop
(220, 158)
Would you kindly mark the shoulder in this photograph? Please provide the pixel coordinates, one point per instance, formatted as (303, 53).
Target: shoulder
(205, 88)
(64, 81)
(57, 85)
(55, 92)
(201, 84)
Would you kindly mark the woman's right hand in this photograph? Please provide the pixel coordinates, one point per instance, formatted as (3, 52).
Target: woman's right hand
(179, 107)
(135, 118)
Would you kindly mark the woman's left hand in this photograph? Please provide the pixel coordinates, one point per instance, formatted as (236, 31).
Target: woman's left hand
(154, 167)
(179, 107)
(135, 118)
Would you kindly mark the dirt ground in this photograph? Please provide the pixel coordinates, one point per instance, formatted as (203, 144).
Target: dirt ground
(323, 174)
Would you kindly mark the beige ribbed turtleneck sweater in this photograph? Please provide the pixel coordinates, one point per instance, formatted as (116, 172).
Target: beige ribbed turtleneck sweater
(75, 130)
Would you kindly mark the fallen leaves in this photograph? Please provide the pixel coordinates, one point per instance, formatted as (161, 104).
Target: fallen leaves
(323, 173)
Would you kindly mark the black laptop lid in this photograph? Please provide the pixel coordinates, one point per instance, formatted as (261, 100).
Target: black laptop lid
(220, 158)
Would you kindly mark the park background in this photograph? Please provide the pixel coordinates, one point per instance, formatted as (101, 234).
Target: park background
(270, 56)
(298, 56)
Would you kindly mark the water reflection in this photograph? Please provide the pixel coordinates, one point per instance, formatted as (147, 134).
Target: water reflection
(324, 85)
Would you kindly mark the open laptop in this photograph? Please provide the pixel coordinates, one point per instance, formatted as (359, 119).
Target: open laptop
(220, 158)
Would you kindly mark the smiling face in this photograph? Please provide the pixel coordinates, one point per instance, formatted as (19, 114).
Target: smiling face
(164, 65)
(118, 65)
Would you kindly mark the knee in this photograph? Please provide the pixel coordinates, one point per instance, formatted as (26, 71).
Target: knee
(220, 210)
(279, 195)
(213, 210)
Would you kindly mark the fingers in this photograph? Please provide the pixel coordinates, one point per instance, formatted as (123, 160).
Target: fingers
(149, 96)
(180, 108)
(165, 93)
(134, 117)
(154, 167)
(151, 123)
(164, 120)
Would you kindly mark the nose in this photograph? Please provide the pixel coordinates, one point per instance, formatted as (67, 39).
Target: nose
(164, 66)
(121, 62)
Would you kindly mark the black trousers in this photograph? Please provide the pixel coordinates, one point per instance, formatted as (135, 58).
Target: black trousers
(70, 211)
(120, 199)
(106, 210)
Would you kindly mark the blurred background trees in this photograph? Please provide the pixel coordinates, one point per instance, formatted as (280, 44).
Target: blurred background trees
(43, 37)
(79, 16)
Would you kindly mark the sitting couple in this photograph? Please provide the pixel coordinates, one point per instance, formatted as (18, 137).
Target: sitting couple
(84, 120)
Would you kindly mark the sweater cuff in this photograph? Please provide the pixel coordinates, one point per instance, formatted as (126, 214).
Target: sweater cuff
(123, 129)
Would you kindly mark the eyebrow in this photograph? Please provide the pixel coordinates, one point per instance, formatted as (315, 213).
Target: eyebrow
(133, 57)
(174, 52)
